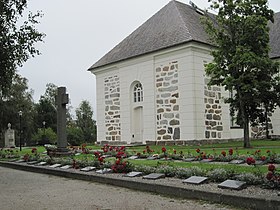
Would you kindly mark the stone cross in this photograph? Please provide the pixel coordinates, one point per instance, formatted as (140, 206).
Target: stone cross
(61, 101)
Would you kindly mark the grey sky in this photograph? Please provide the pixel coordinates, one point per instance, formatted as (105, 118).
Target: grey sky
(81, 32)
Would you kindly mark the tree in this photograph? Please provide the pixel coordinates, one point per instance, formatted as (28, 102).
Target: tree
(241, 62)
(16, 42)
(19, 98)
(85, 121)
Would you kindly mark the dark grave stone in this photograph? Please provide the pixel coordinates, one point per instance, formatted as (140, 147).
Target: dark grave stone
(134, 157)
(133, 174)
(232, 184)
(66, 167)
(189, 159)
(104, 171)
(154, 176)
(195, 180)
(20, 161)
(237, 162)
(151, 158)
(55, 165)
(41, 163)
(88, 168)
(206, 160)
(32, 162)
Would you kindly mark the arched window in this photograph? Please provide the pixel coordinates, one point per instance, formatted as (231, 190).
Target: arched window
(138, 92)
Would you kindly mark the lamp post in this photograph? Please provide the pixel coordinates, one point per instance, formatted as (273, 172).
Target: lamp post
(20, 115)
(44, 127)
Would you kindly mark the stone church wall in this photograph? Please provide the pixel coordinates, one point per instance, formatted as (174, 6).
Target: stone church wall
(167, 105)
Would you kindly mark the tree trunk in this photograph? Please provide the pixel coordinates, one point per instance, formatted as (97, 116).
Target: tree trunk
(246, 132)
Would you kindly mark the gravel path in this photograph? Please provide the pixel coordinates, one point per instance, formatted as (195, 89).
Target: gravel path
(26, 190)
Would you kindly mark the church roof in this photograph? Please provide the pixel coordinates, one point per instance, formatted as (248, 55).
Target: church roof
(175, 24)
(275, 36)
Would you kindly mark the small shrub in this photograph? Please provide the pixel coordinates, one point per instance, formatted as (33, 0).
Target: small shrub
(249, 178)
(219, 174)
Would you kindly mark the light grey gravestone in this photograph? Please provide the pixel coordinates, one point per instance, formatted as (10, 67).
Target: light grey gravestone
(55, 165)
(206, 160)
(61, 101)
(33, 162)
(195, 180)
(104, 171)
(134, 157)
(133, 174)
(152, 158)
(88, 168)
(189, 159)
(42, 164)
(20, 161)
(237, 162)
(260, 162)
(232, 184)
(66, 167)
(154, 176)
(10, 137)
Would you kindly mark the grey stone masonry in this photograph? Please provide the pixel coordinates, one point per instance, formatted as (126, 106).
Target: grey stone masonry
(213, 111)
(167, 96)
(112, 108)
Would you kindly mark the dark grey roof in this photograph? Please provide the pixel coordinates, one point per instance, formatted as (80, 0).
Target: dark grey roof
(174, 24)
(275, 36)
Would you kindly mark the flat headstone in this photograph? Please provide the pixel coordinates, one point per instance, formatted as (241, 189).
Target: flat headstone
(20, 161)
(189, 159)
(45, 153)
(12, 160)
(41, 163)
(66, 167)
(106, 156)
(133, 174)
(154, 176)
(237, 162)
(260, 162)
(32, 162)
(232, 184)
(195, 180)
(104, 171)
(206, 160)
(133, 157)
(166, 159)
(151, 158)
(88, 168)
(55, 165)
(77, 154)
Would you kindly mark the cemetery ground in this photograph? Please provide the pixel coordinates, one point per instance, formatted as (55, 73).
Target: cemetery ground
(197, 171)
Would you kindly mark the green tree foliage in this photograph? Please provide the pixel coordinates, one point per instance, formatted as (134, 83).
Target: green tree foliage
(16, 42)
(19, 98)
(85, 121)
(49, 134)
(241, 59)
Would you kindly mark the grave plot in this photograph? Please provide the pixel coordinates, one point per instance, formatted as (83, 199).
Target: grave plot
(195, 180)
(232, 184)
(41, 164)
(88, 168)
(206, 160)
(133, 174)
(154, 176)
(66, 167)
(189, 159)
(55, 165)
(152, 158)
(237, 162)
(134, 157)
(104, 171)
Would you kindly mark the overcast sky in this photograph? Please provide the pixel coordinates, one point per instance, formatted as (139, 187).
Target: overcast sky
(78, 33)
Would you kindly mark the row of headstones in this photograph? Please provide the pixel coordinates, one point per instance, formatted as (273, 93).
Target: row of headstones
(230, 184)
(258, 162)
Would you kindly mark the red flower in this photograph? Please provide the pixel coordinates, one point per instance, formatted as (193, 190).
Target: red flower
(269, 175)
(263, 158)
(197, 150)
(230, 151)
(163, 149)
(34, 150)
(144, 151)
(101, 159)
(118, 161)
(174, 151)
(224, 153)
(250, 161)
(271, 167)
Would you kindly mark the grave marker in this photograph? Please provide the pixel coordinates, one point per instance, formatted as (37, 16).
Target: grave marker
(10, 137)
(134, 157)
(237, 162)
(195, 180)
(133, 174)
(232, 184)
(154, 176)
(55, 165)
(42, 164)
(66, 167)
(104, 171)
(88, 168)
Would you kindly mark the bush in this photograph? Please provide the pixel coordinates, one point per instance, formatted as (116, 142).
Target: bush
(44, 136)
(219, 174)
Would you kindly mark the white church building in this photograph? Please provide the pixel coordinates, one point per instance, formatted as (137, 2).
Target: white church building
(152, 85)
